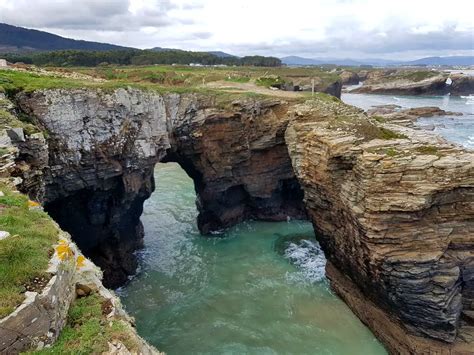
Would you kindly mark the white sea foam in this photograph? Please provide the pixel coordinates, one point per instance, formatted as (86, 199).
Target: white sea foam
(308, 257)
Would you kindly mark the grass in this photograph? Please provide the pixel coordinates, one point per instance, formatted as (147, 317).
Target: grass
(25, 254)
(181, 75)
(379, 119)
(88, 331)
(392, 152)
(428, 150)
(419, 75)
(268, 81)
(12, 82)
(389, 134)
(324, 97)
(238, 79)
(8, 120)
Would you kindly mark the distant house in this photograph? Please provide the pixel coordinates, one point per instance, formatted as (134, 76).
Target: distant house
(3, 63)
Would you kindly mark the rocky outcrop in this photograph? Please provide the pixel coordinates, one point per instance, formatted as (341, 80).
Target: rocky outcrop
(330, 87)
(349, 78)
(457, 84)
(395, 217)
(408, 117)
(393, 208)
(40, 318)
(239, 163)
(37, 323)
(103, 147)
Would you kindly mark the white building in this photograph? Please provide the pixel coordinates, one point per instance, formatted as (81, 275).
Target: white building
(3, 63)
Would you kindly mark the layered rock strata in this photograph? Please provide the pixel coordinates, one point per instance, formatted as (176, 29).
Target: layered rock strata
(458, 84)
(395, 217)
(103, 147)
(393, 208)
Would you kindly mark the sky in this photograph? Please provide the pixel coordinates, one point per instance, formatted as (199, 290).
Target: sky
(397, 29)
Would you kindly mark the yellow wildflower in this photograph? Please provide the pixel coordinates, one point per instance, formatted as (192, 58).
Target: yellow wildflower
(64, 250)
(80, 261)
(33, 204)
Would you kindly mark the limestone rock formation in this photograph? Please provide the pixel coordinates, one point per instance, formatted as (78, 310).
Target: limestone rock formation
(103, 147)
(408, 117)
(239, 163)
(349, 78)
(395, 217)
(458, 84)
(98, 171)
(393, 208)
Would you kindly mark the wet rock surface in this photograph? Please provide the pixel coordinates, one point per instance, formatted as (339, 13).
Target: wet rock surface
(408, 117)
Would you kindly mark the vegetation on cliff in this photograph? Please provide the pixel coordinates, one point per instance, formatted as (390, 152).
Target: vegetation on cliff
(24, 256)
(88, 330)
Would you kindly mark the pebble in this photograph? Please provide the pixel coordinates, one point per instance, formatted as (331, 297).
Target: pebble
(4, 235)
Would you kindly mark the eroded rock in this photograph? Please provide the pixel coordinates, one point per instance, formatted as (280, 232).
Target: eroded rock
(393, 207)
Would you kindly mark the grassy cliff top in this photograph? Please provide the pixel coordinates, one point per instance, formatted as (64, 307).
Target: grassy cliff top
(161, 78)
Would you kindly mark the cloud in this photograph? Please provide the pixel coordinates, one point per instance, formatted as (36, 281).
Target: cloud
(312, 28)
(104, 15)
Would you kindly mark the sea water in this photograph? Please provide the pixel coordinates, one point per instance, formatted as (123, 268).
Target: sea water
(457, 129)
(259, 288)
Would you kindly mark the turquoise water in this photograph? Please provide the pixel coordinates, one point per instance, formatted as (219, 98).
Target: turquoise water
(258, 289)
(457, 129)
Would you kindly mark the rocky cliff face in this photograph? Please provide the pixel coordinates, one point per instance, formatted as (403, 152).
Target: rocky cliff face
(395, 217)
(239, 163)
(103, 147)
(436, 85)
(394, 212)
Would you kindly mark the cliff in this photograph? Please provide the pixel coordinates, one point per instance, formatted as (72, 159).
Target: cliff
(49, 290)
(417, 83)
(393, 208)
(395, 219)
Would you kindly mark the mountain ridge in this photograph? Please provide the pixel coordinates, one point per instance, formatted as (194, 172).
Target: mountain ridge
(448, 60)
(20, 39)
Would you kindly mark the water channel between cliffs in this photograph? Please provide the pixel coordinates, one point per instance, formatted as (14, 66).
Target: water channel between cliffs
(238, 293)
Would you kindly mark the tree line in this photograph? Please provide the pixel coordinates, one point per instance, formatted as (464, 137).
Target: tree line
(66, 58)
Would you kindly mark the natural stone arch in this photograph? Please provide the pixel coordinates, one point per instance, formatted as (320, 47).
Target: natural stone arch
(251, 159)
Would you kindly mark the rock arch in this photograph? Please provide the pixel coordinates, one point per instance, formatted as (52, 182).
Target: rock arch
(396, 224)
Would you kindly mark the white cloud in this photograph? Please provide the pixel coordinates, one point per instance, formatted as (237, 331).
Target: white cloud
(313, 28)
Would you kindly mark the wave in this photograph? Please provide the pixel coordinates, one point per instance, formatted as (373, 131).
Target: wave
(308, 257)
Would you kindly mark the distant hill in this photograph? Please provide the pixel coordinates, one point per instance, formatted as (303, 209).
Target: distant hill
(453, 60)
(19, 39)
(219, 54)
(295, 60)
(161, 49)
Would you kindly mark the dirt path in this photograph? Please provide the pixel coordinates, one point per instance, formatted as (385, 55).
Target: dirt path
(252, 87)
